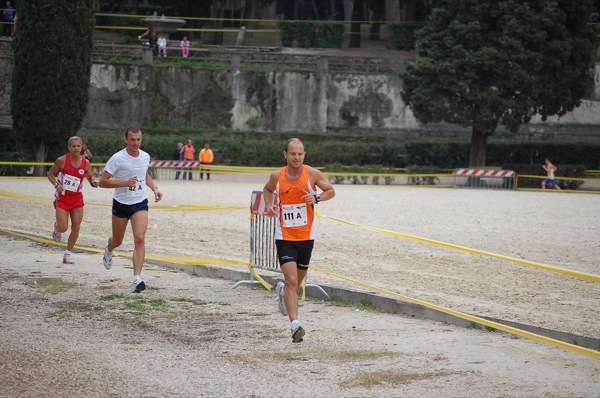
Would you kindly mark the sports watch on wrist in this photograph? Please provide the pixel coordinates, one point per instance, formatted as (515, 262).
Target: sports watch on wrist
(55, 184)
(317, 198)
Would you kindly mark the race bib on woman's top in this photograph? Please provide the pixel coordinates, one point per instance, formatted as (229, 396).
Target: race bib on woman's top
(136, 190)
(294, 215)
(71, 183)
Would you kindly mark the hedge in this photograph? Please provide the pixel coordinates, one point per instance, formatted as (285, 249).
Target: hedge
(307, 34)
(262, 149)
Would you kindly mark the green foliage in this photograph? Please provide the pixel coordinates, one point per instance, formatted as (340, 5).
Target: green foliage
(423, 180)
(253, 122)
(587, 155)
(114, 99)
(329, 35)
(263, 150)
(402, 36)
(563, 170)
(311, 34)
(440, 154)
(10, 152)
(302, 32)
(103, 146)
(51, 75)
(374, 155)
(455, 154)
(485, 63)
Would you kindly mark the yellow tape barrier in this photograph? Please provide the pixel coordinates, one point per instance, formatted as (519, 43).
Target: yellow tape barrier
(564, 271)
(472, 318)
(158, 208)
(197, 208)
(21, 196)
(171, 259)
(209, 261)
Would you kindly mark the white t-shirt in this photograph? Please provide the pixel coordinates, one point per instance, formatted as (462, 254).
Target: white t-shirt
(123, 166)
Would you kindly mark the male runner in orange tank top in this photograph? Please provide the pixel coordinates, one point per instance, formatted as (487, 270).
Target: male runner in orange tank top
(295, 186)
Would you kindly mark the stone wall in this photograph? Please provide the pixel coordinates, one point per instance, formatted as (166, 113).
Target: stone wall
(321, 99)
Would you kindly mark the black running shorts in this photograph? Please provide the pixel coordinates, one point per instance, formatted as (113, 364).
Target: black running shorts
(294, 251)
(126, 211)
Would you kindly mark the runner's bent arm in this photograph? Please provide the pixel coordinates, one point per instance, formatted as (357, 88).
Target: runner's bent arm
(150, 183)
(90, 175)
(53, 173)
(269, 193)
(323, 183)
(107, 182)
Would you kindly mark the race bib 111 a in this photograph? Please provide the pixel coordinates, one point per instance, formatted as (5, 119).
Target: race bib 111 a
(294, 215)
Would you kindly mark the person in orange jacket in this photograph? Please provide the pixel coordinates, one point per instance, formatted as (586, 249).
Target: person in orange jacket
(206, 156)
(187, 153)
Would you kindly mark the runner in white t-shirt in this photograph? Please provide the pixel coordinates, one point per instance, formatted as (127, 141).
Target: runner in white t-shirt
(129, 169)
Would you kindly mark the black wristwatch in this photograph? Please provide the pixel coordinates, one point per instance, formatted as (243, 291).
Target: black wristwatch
(317, 198)
(55, 184)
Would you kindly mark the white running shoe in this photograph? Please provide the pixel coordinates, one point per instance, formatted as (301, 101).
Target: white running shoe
(298, 332)
(107, 259)
(280, 301)
(67, 259)
(138, 286)
(56, 235)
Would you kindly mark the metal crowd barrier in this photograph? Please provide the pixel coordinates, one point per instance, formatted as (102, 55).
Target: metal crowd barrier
(485, 179)
(263, 253)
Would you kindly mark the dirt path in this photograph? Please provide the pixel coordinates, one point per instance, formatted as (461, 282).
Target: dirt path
(82, 334)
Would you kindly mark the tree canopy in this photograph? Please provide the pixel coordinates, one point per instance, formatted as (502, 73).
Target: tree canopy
(51, 74)
(482, 64)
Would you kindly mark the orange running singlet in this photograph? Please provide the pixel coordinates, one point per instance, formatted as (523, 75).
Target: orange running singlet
(295, 215)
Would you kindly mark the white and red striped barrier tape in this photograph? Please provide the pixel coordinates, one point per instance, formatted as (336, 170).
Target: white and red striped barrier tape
(174, 163)
(484, 173)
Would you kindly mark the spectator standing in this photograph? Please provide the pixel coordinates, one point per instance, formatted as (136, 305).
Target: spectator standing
(185, 47)
(67, 175)
(8, 17)
(189, 154)
(14, 29)
(177, 156)
(206, 156)
(87, 152)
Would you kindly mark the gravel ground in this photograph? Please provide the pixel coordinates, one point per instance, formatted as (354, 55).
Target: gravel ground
(73, 330)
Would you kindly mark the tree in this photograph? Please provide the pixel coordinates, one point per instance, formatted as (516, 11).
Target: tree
(481, 64)
(355, 26)
(51, 74)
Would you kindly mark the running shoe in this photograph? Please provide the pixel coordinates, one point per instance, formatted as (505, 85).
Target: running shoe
(280, 302)
(56, 235)
(138, 286)
(297, 333)
(107, 260)
(67, 259)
